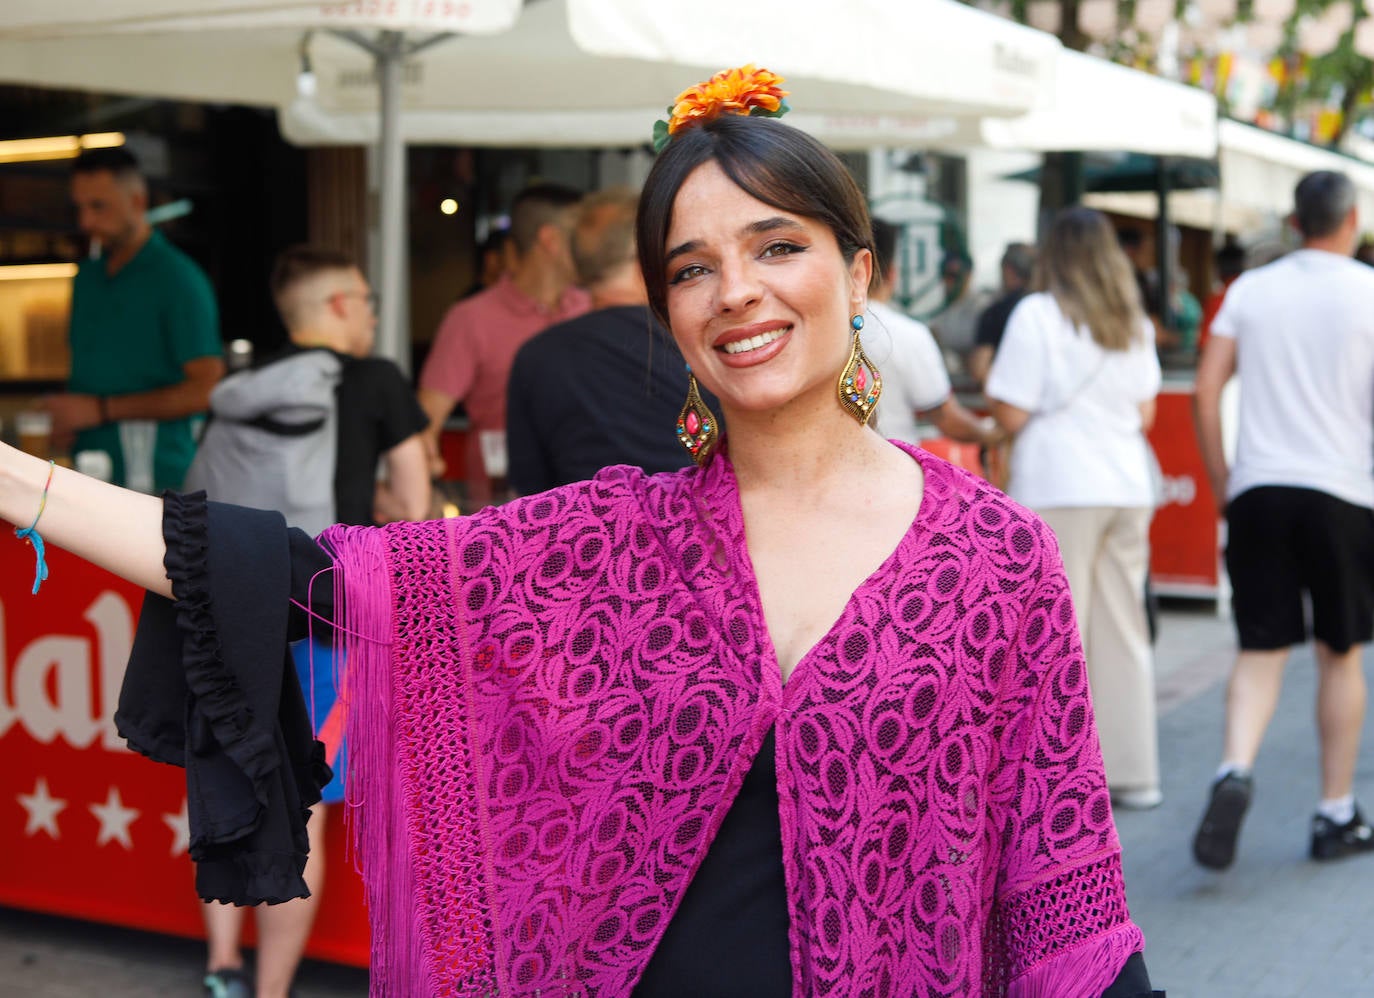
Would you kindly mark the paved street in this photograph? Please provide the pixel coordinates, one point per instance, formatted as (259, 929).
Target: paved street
(45, 957)
(1274, 926)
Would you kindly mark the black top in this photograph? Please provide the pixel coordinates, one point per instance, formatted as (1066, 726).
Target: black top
(602, 389)
(729, 934)
(377, 411)
(992, 324)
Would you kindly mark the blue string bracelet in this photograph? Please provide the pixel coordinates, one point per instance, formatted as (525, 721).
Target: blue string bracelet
(30, 534)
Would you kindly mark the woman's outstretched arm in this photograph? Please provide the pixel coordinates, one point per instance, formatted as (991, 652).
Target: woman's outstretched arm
(119, 530)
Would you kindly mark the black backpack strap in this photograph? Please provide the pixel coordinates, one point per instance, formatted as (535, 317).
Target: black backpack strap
(282, 429)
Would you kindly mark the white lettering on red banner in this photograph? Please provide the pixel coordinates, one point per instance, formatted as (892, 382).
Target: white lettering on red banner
(51, 694)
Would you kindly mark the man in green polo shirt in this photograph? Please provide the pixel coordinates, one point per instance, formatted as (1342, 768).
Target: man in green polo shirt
(144, 333)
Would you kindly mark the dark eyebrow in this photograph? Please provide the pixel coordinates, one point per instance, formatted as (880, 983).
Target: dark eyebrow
(771, 225)
(690, 246)
(752, 229)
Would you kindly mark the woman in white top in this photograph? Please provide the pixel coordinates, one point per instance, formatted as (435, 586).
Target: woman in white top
(1075, 380)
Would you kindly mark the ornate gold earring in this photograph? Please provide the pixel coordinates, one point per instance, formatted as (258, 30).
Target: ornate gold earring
(860, 383)
(697, 428)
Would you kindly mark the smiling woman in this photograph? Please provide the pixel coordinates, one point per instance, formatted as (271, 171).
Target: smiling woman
(810, 718)
(749, 286)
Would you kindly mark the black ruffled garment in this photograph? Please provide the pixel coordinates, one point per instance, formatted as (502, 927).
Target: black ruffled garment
(210, 687)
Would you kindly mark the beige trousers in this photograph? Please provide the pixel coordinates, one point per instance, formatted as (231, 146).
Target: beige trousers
(1106, 557)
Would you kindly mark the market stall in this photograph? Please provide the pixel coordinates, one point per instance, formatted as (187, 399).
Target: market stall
(1185, 541)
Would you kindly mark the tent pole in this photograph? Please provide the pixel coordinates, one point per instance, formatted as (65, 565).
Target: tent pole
(393, 339)
(389, 51)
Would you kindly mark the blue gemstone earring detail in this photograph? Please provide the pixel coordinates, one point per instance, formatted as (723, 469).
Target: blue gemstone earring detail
(860, 383)
(697, 427)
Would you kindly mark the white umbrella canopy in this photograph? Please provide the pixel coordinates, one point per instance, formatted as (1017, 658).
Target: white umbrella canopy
(599, 72)
(546, 72)
(558, 72)
(63, 15)
(1100, 105)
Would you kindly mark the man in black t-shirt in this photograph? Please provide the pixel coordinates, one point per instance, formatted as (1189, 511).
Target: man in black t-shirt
(326, 305)
(604, 388)
(1018, 264)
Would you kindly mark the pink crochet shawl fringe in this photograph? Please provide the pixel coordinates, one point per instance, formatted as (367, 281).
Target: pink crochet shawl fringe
(553, 703)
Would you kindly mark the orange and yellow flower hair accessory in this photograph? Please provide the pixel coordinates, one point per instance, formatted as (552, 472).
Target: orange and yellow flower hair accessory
(743, 90)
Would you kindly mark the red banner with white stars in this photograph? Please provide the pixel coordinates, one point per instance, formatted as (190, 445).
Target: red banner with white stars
(88, 828)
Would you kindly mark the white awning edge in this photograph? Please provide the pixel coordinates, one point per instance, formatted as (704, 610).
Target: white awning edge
(1259, 170)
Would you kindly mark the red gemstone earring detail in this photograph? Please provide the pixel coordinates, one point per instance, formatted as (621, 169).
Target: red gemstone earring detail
(697, 429)
(860, 383)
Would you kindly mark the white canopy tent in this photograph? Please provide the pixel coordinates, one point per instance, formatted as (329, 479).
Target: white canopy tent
(599, 72)
(1096, 105)
(63, 15)
(549, 72)
(1258, 171)
(1099, 105)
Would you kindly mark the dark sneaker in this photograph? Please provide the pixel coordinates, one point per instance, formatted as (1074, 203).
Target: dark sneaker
(228, 984)
(1214, 846)
(1333, 841)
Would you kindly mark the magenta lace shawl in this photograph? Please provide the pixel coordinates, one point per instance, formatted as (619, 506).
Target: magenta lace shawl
(555, 701)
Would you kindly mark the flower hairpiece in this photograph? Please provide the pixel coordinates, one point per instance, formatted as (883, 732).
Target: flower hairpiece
(743, 90)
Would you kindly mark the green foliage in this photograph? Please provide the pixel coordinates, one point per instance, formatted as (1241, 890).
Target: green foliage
(1341, 77)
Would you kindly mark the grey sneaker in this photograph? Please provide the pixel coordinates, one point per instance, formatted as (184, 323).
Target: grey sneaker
(1333, 841)
(1214, 846)
(228, 984)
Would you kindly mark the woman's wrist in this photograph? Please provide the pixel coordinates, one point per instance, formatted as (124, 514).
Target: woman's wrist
(102, 405)
(21, 485)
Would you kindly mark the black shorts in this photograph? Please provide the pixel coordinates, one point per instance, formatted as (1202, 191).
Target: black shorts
(1283, 542)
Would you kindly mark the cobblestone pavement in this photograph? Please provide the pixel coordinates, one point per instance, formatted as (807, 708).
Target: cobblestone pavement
(1275, 926)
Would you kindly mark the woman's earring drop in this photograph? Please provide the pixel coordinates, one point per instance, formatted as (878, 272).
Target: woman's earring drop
(697, 428)
(860, 383)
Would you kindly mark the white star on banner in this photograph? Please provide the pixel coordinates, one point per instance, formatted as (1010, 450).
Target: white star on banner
(180, 824)
(115, 820)
(43, 809)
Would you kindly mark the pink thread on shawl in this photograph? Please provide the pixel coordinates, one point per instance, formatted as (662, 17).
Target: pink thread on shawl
(575, 680)
(311, 615)
(315, 615)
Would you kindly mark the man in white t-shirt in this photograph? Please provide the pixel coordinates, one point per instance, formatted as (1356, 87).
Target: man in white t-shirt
(915, 383)
(1299, 504)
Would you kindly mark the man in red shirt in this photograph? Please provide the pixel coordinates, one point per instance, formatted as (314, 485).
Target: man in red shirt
(476, 343)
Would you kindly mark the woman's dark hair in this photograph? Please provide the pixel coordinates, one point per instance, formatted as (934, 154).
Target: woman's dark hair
(771, 162)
